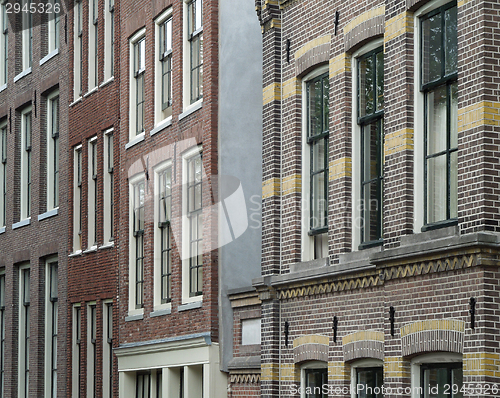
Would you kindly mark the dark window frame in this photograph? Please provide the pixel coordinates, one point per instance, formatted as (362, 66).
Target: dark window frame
(139, 50)
(377, 370)
(323, 372)
(166, 62)
(195, 38)
(449, 366)
(138, 234)
(165, 214)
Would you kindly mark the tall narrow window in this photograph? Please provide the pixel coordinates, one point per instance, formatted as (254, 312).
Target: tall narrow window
(24, 332)
(109, 32)
(143, 385)
(139, 69)
(314, 380)
(54, 25)
(53, 152)
(77, 198)
(27, 37)
(317, 129)
(166, 64)
(4, 43)
(195, 219)
(92, 197)
(165, 215)
(26, 164)
(370, 119)
(138, 232)
(3, 175)
(439, 377)
(2, 333)
(51, 322)
(369, 380)
(77, 340)
(195, 38)
(93, 43)
(439, 72)
(78, 50)
(92, 351)
(107, 360)
(108, 187)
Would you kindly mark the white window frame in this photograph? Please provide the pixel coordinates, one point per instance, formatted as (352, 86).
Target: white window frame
(418, 141)
(109, 37)
(92, 192)
(26, 169)
(161, 115)
(92, 349)
(306, 240)
(2, 332)
(78, 50)
(93, 44)
(363, 363)
(132, 310)
(107, 349)
(24, 335)
(158, 305)
(76, 350)
(3, 173)
(356, 146)
(186, 93)
(51, 325)
(27, 38)
(417, 362)
(4, 44)
(133, 133)
(309, 365)
(54, 27)
(186, 156)
(108, 187)
(53, 143)
(77, 198)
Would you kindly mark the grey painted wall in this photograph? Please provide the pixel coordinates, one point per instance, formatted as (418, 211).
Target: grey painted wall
(240, 149)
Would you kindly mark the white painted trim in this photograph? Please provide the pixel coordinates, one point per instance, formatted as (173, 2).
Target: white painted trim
(22, 223)
(25, 72)
(49, 56)
(191, 109)
(138, 138)
(162, 125)
(48, 214)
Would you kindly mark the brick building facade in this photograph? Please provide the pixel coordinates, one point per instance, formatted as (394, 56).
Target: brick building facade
(33, 203)
(380, 204)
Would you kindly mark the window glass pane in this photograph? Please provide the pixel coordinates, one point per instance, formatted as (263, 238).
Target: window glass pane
(457, 378)
(435, 377)
(369, 381)
(431, 48)
(371, 151)
(454, 115)
(366, 94)
(450, 23)
(318, 219)
(436, 189)
(315, 108)
(436, 121)
(314, 383)
(371, 206)
(454, 184)
(318, 155)
(380, 80)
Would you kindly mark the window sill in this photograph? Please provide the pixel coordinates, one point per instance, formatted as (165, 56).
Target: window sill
(2, 230)
(372, 243)
(25, 72)
(108, 245)
(135, 317)
(160, 312)
(90, 250)
(91, 92)
(3, 87)
(48, 214)
(110, 80)
(49, 56)
(77, 101)
(191, 306)
(162, 125)
(135, 141)
(22, 223)
(191, 109)
(76, 253)
(441, 224)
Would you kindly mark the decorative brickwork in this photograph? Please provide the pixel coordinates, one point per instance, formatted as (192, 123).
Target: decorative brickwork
(363, 344)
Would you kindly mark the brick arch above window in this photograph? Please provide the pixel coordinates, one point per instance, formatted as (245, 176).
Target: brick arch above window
(312, 54)
(363, 344)
(445, 335)
(310, 348)
(363, 28)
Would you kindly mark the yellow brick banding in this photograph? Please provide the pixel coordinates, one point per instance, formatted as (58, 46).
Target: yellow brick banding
(269, 372)
(363, 335)
(374, 12)
(291, 87)
(398, 141)
(433, 324)
(481, 364)
(340, 168)
(461, 3)
(339, 371)
(340, 64)
(271, 187)
(479, 114)
(311, 339)
(398, 25)
(396, 367)
(311, 44)
(271, 93)
(292, 184)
